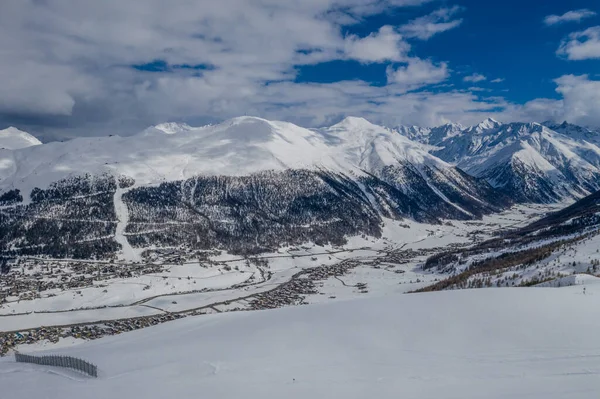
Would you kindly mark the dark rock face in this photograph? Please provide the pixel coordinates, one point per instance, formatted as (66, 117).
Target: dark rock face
(445, 193)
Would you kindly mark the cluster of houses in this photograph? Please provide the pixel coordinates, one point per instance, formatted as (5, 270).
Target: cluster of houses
(27, 279)
(293, 292)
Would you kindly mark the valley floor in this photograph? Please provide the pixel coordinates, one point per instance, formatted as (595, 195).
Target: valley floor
(381, 266)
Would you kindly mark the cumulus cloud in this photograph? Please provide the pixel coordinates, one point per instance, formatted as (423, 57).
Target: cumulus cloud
(429, 25)
(579, 103)
(70, 63)
(66, 66)
(497, 80)
(581, 45)
(385, 45)
(476, 77)
(417, 73)
(581, 98)
(570, 16)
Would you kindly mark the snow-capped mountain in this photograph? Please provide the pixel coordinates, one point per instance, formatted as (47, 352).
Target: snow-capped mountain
(246, 185)
(574, 131)
(12, 138)
(431, 136)
(529, 161)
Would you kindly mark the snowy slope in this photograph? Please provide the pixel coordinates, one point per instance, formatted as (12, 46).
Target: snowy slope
(539, 343)
(563, 243)
(236, 147)
(575, 131)
(246, 185)
(527, 160)
(408, 167)
(12, 139)
(430, 136)
(240, 146)
(532, 162)
(372, 147)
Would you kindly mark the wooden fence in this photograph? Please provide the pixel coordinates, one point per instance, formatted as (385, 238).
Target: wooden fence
(59, 361)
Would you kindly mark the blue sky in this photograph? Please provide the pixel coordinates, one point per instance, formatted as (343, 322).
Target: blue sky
(493, 40)
(71, 68)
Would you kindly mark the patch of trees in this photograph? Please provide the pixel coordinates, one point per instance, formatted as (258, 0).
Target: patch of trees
(250, 214)
(72, 218)
(440, 260)
(83, 185)
(11, 197)
(497, 264)
(576, 219)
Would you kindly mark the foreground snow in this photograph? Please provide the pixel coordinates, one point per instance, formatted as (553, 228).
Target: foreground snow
(494, 343)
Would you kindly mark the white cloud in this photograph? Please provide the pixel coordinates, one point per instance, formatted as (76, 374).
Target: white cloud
(581, 97)
(322, 104)
(429, 25)
(476, 77)
(68, 64)
(581, 45)
(417, 73)
(497, 80)
(475, 89)
(579, 103)
(570, 16)
(64, 58)
(385, 45)
(315, 104)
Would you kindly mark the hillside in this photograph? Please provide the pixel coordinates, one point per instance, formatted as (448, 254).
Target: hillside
(561, 244)
(247, 185)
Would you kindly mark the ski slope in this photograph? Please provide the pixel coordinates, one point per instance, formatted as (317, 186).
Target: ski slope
(492, 343)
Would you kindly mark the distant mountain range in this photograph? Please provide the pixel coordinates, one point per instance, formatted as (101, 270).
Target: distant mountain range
(531, 162)
(250, 185)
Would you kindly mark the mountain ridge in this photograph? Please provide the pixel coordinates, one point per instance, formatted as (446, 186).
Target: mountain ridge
(529, 161)
(245, 185)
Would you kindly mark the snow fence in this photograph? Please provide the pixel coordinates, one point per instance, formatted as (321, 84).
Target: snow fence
(60, 361)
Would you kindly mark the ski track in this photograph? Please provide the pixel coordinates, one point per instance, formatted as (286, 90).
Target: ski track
(127, 251)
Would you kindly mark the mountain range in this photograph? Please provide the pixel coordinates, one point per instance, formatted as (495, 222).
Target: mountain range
(531, 162)
(250, 185)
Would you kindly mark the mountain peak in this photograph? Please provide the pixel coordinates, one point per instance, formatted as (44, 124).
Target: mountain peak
(489, 123)
(12, 138)
(452, 125)
(246, 119)
(353, 122)
(172, 127)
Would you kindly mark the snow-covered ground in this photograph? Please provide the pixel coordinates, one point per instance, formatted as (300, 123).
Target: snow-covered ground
(127, 252)
(196, 284)
(236, 147)
(13, 139)
(562, 265)
(494, 343)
